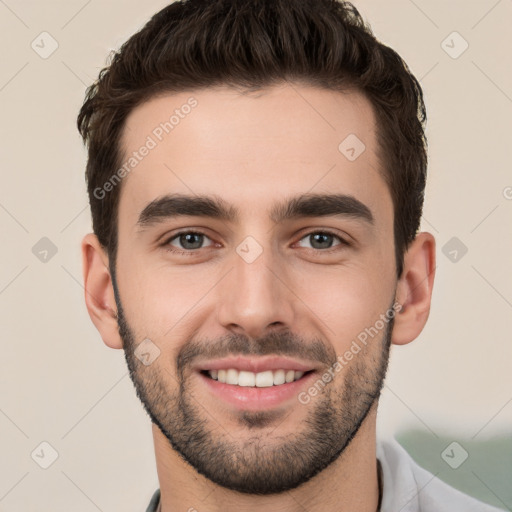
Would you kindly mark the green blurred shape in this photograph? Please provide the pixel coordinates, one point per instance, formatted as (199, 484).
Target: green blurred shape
(486, 474)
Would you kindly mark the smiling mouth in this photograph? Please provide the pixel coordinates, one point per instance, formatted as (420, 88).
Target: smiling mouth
(242, 378)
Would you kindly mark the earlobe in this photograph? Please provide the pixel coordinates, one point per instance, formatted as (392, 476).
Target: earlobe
(99, 292)
(414, 289)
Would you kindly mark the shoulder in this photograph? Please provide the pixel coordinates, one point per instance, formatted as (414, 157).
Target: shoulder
(410, 488)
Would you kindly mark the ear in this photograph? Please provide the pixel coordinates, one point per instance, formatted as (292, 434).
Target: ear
(414, 289)
(99, 292)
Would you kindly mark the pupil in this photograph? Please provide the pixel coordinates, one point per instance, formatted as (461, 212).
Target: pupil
(187, 238)
(318, 237)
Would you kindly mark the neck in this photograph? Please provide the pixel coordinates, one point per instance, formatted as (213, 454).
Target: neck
(349, 483)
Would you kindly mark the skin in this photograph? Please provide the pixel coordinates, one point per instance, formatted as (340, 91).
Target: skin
(254, 150)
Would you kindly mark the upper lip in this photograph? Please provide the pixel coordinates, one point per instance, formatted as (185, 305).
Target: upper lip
(255, 365)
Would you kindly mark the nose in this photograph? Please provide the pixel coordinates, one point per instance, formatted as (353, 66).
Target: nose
(255, 298)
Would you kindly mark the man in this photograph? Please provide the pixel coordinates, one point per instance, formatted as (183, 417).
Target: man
(286, 145)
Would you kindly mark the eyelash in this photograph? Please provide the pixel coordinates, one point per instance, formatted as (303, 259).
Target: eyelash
(193, 252)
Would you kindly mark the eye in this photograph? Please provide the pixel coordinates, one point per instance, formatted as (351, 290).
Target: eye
(187, 240)
(323, 240)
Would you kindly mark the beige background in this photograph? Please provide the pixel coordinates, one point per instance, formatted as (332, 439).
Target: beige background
(59, 383)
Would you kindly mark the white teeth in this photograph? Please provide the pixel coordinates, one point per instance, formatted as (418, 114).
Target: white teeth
(260, 380)
(231, 376)
(246, 379)
(279, 377)
(264, 379)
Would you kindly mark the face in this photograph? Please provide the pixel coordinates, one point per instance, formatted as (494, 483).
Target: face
(276, 265)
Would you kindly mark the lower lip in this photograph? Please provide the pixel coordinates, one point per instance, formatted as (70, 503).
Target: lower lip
(254, 398)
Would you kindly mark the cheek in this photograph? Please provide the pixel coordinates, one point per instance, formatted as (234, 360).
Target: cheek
(162, 300)
(346, 301)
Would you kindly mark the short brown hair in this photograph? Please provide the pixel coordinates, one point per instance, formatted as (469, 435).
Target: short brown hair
(194, 44)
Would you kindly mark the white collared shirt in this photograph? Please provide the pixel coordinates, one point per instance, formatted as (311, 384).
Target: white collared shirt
(408, 487)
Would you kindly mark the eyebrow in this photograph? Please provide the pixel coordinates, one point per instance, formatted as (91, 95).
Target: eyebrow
(306, 205)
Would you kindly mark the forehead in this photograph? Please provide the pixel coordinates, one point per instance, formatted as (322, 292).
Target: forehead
(251, 148)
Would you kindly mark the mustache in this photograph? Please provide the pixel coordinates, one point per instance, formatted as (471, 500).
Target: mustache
(285, 344)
